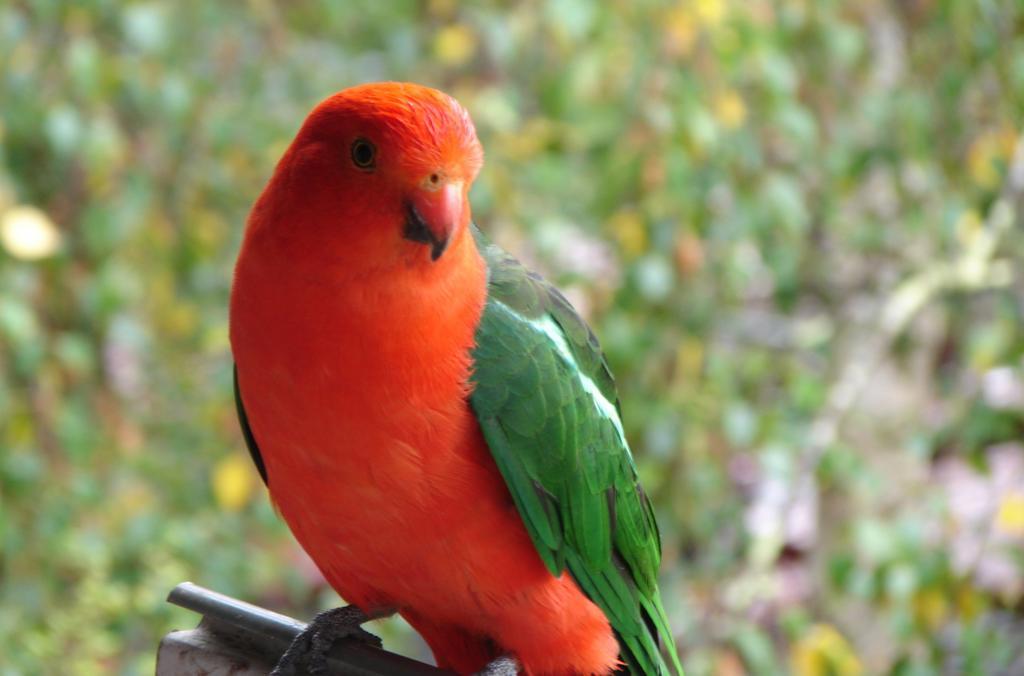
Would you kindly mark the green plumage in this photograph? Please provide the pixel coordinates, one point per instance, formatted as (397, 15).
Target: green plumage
(547, 405)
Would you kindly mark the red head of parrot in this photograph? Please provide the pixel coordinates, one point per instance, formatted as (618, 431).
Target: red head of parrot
(377, 179)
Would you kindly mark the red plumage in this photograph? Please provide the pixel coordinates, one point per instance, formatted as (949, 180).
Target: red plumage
(353, 355)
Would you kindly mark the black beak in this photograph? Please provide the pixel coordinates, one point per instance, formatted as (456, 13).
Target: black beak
(417, 230)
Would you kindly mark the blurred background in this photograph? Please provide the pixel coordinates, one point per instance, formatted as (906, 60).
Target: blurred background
(795, 225)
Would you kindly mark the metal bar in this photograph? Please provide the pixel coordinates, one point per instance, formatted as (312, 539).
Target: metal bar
(268, 633)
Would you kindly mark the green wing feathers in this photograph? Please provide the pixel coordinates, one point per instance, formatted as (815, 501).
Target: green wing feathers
(547, 406)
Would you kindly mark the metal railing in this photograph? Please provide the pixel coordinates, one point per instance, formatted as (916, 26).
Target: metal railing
(238, 638)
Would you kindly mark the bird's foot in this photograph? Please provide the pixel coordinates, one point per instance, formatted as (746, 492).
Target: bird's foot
(506, 665)
(314, 642)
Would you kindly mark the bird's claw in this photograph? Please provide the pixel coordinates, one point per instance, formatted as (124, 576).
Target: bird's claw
(315, 641)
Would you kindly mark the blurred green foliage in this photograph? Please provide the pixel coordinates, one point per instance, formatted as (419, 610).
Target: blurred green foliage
(782, 218)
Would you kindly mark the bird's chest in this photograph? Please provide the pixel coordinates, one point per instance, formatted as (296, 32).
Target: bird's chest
(347, 420)
(368, 445)
(372, 493)
(357, 399)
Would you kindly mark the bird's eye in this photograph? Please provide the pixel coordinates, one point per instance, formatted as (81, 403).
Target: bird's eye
(364, 154)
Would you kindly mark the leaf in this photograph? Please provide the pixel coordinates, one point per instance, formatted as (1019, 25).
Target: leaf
(1010, 517)
(454, 45)
(823, 651)
(28, 233)
(233, 482)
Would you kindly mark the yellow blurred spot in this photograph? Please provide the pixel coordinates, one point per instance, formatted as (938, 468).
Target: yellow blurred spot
(987, 153)
(28, 233)
(273, 151)
(180, 319)
(233, 482)
(441, 7)
(689, 359)
(628, 228)
(530, 139)
(210, 229)
(710, 12)
(968, 227)
(680, 30)
(823, 651)
(216, 338)
(969, 602)
(21, 430)
(931, 608)
(454, 44)
(1010, 517)
(135, 498)
(729, 109)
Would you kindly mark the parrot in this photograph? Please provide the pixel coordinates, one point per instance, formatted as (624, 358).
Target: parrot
(435, 423)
